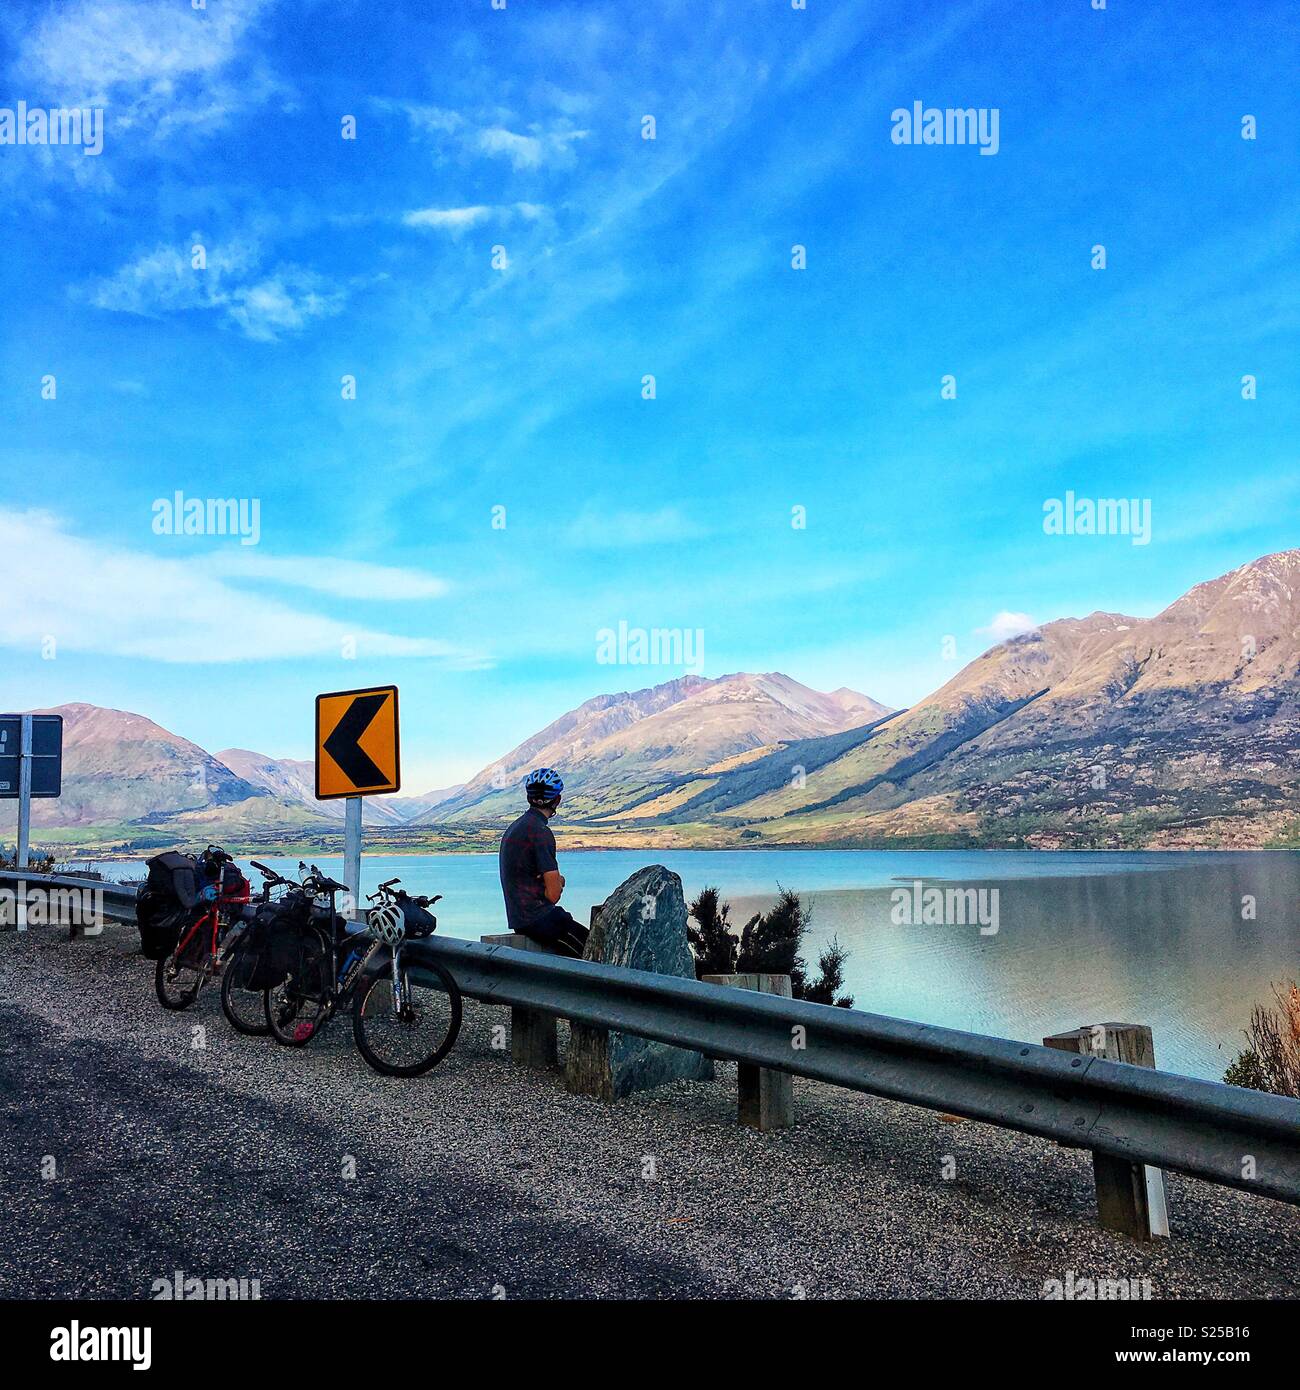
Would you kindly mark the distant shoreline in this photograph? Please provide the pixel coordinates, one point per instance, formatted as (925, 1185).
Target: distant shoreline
(243, 851)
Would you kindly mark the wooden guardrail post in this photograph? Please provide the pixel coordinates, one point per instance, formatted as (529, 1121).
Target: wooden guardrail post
(764, 1098)
(1130, 1196)
(532, 1033)
(583, 1072)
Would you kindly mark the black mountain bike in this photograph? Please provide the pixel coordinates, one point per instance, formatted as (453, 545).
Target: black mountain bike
(405, 1017)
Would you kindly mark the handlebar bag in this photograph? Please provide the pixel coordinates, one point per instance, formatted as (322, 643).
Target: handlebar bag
(419, 921)
(234, 886)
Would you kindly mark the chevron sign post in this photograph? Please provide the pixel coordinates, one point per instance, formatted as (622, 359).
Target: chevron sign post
(357, 754)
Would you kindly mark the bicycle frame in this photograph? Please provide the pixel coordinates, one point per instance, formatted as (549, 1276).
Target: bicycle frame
(340, 987)
(309, 993)
(357, 968)
(400, 1002)
(344, 986)
(210, 917)
(349, 959)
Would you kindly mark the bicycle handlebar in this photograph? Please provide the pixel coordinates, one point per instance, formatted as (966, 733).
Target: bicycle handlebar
(385, 894)
(329, 885)
(270, 879)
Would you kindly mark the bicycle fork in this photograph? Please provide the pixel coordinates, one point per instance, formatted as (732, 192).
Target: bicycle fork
(399, 985)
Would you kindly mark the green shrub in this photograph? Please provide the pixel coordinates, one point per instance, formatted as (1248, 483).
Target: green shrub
(770, 944)
(712, 943)
(1271, 1059)
(1246, 1071)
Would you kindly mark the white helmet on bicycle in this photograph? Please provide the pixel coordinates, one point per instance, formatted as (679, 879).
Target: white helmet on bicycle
(387, 922)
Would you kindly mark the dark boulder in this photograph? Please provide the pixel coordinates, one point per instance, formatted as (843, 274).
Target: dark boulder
(641, 926)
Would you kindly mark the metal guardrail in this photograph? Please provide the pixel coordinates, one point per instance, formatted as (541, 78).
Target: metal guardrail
(1202, 1128)
(1239, 1138)
(116, 902)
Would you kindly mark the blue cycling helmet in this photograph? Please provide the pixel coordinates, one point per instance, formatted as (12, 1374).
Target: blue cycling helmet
(542, 786)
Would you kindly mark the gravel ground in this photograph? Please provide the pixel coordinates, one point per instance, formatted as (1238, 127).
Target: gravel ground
(227, 1160)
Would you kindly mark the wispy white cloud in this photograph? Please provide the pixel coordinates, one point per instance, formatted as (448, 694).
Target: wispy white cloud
(354, 579)
(285, 301)
(93, 45)
(453, 220)
(160, 67)
(93, 597)
(427, 119)
(489, 133)
(574, 260)
(1006, 624)
(608, 528)
(541, 146)
(265, 304)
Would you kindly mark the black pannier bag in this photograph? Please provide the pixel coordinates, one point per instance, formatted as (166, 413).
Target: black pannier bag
(290, 945)
(270, 947)
(164, 902)
(175, 874)
(254, 950)
(301, 953)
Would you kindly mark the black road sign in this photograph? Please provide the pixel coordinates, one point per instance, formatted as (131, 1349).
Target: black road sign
(47, 754)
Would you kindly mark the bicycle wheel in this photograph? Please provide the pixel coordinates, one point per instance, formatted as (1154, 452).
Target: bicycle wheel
(177, 980)
(292, 1018)
(243, 1006)
(298, 1007)
(420, 1036)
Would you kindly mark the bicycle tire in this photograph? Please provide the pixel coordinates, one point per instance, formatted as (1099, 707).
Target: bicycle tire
(238, 961)
(181, 999)
(419, 1067)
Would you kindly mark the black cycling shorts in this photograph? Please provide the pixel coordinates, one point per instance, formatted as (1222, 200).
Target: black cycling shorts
(557, 928)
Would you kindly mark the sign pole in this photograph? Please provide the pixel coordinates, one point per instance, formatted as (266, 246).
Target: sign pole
(24, 790)
(352, 853)
(24, 813)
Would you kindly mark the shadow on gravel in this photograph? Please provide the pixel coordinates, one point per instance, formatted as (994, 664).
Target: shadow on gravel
(159, 1168)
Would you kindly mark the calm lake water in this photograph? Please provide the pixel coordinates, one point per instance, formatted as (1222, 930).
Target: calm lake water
(1081, 938)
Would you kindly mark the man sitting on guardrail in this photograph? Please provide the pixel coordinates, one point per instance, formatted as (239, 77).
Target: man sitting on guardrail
(530, 876)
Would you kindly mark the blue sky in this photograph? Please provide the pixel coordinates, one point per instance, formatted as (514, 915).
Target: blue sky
(519, 385)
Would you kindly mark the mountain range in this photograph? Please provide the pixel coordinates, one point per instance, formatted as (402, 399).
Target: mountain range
(294, 780)
(1105, 731)
(616, 750)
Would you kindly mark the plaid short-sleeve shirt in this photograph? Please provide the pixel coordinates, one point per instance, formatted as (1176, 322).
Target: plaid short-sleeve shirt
(527, 852)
